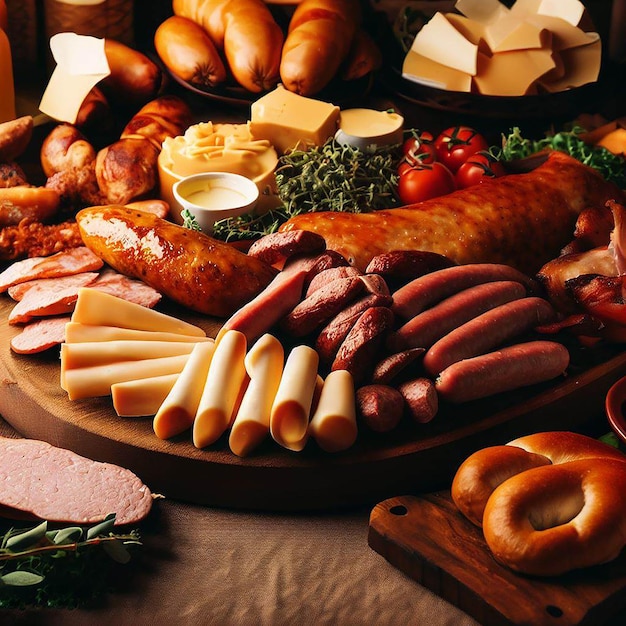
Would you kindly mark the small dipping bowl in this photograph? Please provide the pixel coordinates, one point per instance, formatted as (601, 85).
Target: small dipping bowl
(615, 406)
(213, 196)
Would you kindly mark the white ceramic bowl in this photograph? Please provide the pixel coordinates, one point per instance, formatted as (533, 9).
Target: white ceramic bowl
(213, 196)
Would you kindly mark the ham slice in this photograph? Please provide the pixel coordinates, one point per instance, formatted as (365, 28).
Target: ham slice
(127, 288)
(40, 335)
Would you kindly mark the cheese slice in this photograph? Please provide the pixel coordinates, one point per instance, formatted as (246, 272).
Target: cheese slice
(143, 397)
(99, 308)
(581, 67)
(419, 69)
(179, 408)
(264, 365)
(289, 417)
(333, 425)
(564, 35)
(90, 353)
(96, 381)
(569, 10)
(482, 11)
(222, 390)
(440, 41)
(76, 332)
(512, 34)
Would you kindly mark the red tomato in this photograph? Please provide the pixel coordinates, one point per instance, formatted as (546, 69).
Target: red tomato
(476, 169)
(456, 144)
(424, 182)
(419, 148)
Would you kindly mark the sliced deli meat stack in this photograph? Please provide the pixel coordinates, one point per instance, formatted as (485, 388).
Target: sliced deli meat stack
(128, 289)
(40, 335)
(57, 485)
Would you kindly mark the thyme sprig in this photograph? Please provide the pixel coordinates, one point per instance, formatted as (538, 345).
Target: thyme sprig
(62, 567)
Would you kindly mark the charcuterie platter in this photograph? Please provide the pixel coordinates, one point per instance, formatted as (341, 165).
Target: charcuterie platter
(409, 459)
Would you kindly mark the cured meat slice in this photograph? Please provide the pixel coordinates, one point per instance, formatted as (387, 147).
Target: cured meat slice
(40, 335)
(17, 292)
(61, 486)
(51, 296)
(129, 289)
(64, 263)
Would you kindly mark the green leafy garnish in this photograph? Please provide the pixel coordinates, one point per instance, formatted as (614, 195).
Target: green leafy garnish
(189, 220)
(65, 567)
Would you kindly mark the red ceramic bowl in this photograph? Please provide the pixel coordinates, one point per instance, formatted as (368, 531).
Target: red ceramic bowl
(615, 406)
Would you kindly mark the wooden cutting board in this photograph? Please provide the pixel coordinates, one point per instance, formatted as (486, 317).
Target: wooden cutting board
(414, 456)
(429, 540)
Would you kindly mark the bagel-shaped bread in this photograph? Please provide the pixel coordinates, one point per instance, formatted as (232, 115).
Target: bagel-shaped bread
(549, 520)
(480, 474)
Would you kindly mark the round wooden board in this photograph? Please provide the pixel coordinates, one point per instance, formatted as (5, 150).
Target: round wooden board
(412, 458)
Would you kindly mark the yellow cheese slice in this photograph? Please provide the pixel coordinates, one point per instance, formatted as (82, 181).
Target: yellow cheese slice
(289, 418)
(95, 381)
(440, 41)
(90, 353)
(264, 365)
(100, 308)
(569, 10)
(564, 35)
(419, 69)
(482, 11)
(143, 397)
(333, 425)
(178, 410)
(512, 34)
(76, 332)
(581, 67)
(222, 390)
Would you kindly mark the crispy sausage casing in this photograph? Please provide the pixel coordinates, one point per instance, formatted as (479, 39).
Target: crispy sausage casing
(187, 266)
(521, 220)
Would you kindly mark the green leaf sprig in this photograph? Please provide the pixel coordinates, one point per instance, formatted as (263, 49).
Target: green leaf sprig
(63, 567)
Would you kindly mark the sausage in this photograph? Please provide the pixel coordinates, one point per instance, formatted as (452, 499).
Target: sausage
(188, 52)
(37, 203)
(318, 41)
(279, 247)
(430, 325)
(94, 110)
(329, 275)
(363, 57)
(399, 267)
(420, 399)
(380, 407)
(521, 220)
(65, 148)
(510, 368)
(390, 367)
(15, 135)
(488, 331)
(187, 266)
(433, 287)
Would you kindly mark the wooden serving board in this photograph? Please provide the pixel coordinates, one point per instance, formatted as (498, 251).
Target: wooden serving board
(411, 458)
(430, 541)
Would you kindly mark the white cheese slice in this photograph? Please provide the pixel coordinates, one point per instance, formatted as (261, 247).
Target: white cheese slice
(581, 67)
(99, 308)
(179, 408)
(222, 390)
(95, 381)
(264, 365)
(569, 10)
(512, 34)
(419, 69)
(334, 425)
(289, 418)
(143, 397)
(483, 11)
(564, 35)
(76, 332)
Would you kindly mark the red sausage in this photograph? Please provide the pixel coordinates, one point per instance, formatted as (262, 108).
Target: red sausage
(431, 325)
(510, 368)
(488, 331)
(426, 290)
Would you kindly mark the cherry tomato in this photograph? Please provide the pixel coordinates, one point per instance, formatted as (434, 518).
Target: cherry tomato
(477, 168)
(424, 182)
(456, 144)
(419, 148)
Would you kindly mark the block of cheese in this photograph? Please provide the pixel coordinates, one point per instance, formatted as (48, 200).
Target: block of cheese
(143, 397)
(222, 391)
(291, 410)
(95, 381)
(76, 332)
(440, 41)
(178, 410)
(419, 69)
(334, 425)
(288, 120)
(264, 365)
(99, 308)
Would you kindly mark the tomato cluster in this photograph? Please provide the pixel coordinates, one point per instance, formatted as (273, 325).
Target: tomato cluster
(434, 166)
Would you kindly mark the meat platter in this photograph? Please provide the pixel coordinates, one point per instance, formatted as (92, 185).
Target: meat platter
(408, 460)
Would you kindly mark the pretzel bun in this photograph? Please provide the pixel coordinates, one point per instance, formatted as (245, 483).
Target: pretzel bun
(548, 503)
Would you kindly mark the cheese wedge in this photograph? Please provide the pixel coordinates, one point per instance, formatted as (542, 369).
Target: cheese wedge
(79, 333)
(179, 408)
(90, 353)
(141, 398)
(289, 418)
(334, 425)
(222, 390)
(264, 365)
(99, 308)
(95, 381)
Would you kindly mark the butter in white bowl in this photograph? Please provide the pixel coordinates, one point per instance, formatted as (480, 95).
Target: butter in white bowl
(361, 128)
(212, 196)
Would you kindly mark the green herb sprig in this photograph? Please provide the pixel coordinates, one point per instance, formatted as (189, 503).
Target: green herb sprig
(64, 567)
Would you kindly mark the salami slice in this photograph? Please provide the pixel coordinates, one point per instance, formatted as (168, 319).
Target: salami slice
(40, 335)
(57, 485)
(127, 288)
